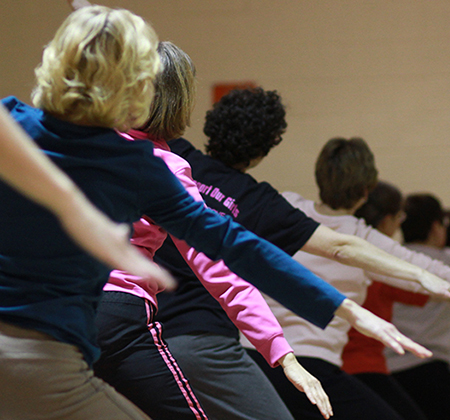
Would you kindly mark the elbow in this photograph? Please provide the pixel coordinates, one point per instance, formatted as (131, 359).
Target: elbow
(345, 253)
(340, 255)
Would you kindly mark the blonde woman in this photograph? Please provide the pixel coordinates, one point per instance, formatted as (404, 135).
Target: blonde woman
(96, 76)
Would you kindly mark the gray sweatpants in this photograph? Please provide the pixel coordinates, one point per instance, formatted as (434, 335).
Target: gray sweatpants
(41, 378)
(229, 385)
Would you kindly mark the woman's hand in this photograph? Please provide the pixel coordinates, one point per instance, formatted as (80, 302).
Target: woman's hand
(434, 285)
(306, 383)
(373, 326)
(104, 239)
(78, 4)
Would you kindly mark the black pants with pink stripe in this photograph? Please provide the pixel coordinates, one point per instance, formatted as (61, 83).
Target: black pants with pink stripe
(137, 362)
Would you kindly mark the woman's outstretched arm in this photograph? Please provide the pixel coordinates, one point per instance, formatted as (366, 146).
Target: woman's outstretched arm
(27, 169)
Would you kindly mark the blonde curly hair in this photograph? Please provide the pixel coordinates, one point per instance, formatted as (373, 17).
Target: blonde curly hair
(99, 69)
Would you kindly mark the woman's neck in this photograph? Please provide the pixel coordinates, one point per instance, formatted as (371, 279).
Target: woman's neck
(326, 210)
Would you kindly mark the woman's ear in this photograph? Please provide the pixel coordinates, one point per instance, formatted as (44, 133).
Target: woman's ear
(435, 227)
(361, 201)
(366, 195)
(437, 236)
(387, 225)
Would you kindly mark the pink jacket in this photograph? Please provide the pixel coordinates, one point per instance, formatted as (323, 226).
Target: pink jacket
(241, 301)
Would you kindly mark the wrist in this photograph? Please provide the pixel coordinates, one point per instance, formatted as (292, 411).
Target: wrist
(346, 310)
(287, 360)
(422, 276)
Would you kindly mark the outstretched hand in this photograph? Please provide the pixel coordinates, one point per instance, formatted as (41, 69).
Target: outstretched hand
(106, 240)
(435, 285)
(373, 326)
(306, 383)
(42, 181)
(78, 4)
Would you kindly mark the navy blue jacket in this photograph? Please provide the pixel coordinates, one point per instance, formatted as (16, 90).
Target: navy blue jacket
(49, 284)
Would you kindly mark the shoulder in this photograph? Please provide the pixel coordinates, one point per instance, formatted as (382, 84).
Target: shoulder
(199, 162)
(441, 254)
(182, 147)
(295, 199)
(15, 106)
(173, 161)
(10, 102)
(292, 197)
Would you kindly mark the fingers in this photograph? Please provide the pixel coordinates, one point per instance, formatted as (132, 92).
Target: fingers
(442, 292)
(148, 270)
(435, 285)
(78, 4)
(403, 343)
(318, 397)
(393, 341)
(445, 293)
(109, 242)
(373, 326)
(138, 265)
(391, 337)
(308, 384)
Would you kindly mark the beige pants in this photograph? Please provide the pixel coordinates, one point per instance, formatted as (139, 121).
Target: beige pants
(41, 378)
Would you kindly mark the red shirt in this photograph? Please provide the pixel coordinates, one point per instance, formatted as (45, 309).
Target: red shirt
(363, 354)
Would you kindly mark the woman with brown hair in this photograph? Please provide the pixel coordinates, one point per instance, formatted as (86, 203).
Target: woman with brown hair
(345, 174)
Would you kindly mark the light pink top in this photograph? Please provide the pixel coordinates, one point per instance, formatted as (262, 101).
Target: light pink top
(242, 302)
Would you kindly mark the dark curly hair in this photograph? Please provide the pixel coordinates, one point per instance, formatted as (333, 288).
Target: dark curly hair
(244, 125)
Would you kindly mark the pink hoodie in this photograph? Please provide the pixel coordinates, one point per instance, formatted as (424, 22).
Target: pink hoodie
(241, 301)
